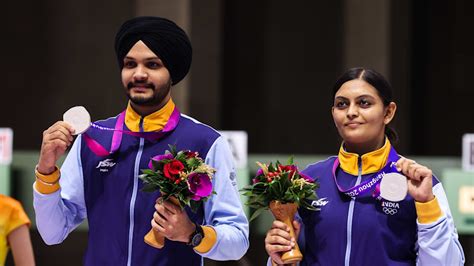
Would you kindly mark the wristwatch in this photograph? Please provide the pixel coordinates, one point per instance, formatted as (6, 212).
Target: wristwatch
(196, 236)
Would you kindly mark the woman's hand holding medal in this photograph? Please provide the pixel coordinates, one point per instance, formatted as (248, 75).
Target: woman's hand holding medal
(419, 179)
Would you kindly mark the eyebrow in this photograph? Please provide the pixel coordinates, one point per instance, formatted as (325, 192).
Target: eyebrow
(358, 97)
(146, 59)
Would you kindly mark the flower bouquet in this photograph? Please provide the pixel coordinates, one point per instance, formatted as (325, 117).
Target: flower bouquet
(282, 189)
(181, 177)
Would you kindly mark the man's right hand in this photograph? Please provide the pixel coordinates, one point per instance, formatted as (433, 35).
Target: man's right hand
(56, 140)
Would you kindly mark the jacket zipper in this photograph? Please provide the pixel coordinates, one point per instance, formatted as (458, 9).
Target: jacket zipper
(134, 195)
(350, 215)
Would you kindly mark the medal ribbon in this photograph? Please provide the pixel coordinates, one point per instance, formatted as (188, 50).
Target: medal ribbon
(367, 185)
(99, 150)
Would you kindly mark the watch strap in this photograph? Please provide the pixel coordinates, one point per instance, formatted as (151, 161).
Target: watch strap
(198, 232)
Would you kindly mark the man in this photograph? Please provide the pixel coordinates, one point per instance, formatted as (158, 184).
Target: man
(153, 54)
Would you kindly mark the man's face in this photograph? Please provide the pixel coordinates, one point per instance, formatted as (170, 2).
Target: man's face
(146, 80)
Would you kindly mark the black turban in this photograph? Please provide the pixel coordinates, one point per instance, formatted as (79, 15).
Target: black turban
(166, 39)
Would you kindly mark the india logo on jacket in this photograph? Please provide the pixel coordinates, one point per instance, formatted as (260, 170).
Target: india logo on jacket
(390, 208)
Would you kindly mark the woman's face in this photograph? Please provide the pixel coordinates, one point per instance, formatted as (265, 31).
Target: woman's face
(360, 116)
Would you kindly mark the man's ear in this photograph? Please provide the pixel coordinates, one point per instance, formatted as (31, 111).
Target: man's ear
(390, 111)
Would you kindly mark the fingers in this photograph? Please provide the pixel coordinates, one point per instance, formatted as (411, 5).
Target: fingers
(157, 222)
(57, 136)
(276, 258)
(278, 240)
(420, 173)
(280, 225)
(56, 140)
(162, 210)
(403, 164)
(172, 221)
(281, 229)
(279, 234)
(60, 130)
(171, 207)
(420, 185)
(412, 169)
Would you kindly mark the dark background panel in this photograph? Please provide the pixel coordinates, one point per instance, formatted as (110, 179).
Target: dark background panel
(57, 55)
(441, 77)
(280, 63)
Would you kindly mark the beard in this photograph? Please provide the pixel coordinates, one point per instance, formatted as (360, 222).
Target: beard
(159, 94)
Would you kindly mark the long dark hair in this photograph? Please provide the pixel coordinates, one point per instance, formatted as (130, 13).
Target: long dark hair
(384, 90)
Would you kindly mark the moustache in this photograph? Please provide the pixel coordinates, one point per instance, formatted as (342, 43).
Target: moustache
(140, 84)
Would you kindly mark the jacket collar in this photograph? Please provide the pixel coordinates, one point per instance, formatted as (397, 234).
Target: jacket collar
(152, 122)
(371, 162)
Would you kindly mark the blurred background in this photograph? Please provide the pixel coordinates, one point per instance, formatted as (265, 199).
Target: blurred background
(263, 67)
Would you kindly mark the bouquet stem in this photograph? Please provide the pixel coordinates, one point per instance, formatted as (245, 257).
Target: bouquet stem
(286, 213)
(155, 238)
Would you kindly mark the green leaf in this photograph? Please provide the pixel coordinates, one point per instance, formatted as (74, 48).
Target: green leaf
(256, 214)
(290, 160)
(193, 163)
(271, 168)
(172, 149)
(194, 205)
(150, 187)
(181, 157)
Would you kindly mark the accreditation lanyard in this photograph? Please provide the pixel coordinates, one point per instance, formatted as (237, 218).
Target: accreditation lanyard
(118, 130)
(367, 185)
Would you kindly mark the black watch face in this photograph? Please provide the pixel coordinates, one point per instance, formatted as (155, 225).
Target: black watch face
(197, 238)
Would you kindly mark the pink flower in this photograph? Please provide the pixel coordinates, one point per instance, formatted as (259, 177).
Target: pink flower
(158, 158)
(173, 168)
(200, 185)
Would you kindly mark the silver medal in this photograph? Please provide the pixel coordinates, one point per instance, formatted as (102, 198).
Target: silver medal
(393, 187)
(78, 118)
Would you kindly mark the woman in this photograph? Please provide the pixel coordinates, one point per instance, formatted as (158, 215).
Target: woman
(14, 233)
(360, 228)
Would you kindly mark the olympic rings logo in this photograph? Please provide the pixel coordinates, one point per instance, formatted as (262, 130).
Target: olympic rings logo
(389, 211)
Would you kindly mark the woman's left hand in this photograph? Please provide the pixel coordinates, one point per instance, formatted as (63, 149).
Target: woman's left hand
(420, 179)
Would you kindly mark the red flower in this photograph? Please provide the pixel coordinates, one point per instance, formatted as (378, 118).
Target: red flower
(190, 154)
(172, 169)
(291, 169)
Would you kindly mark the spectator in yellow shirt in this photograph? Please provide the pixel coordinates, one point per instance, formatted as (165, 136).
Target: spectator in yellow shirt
(14, 232)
